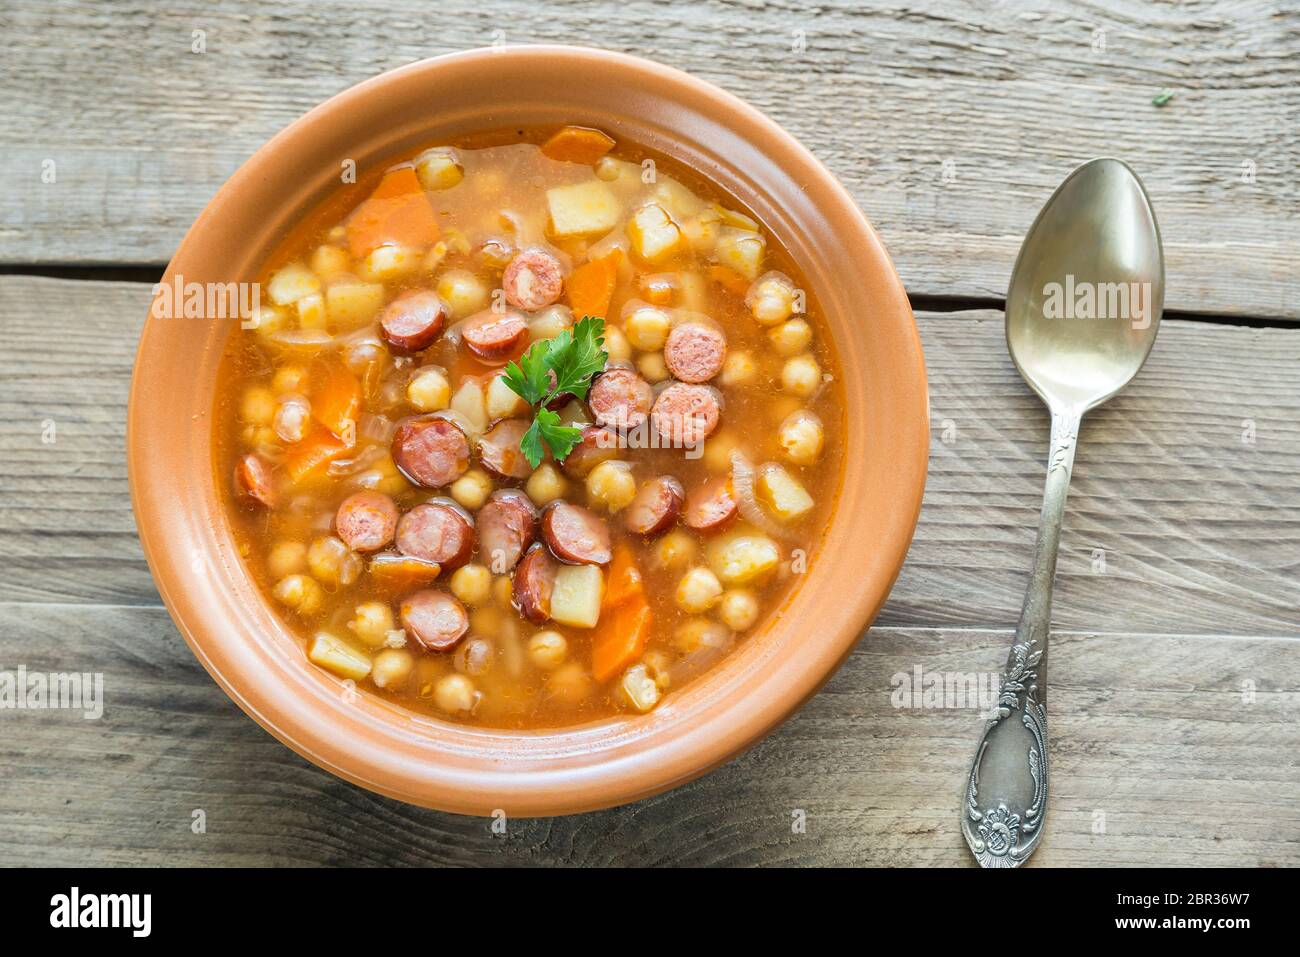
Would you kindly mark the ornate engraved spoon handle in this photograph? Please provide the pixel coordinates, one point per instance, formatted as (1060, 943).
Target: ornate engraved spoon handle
(1006, 795)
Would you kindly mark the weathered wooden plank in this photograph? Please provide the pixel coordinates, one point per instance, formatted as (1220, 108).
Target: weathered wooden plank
(1196, 516)
(950, 121)
(1157, 759)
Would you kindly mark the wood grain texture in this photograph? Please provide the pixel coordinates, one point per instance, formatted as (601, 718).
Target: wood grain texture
(1153, 743)
(950, 121)
(1196, 517)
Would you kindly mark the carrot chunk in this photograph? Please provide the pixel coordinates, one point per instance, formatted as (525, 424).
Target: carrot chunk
(624, 580)
(307, 455)
(620, 638)
(335, 398)
(577, 144)
(396, 213)
(591, 286)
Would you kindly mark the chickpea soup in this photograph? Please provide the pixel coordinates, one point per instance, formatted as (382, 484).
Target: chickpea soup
(529, 429)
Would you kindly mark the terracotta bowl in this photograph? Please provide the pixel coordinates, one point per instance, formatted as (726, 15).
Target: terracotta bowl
(261, 664)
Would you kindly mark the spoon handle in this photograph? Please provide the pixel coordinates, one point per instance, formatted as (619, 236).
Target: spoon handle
(1006, 794)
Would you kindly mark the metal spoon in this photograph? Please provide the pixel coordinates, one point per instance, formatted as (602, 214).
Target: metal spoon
(1084, 304)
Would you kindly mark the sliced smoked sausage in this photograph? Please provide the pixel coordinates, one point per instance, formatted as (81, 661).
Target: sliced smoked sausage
(596, 445)
(533, 583)
(507, 524)
(711, 506)
(695, 351)
(436, 620)
(685, 415)
(619, 398)
(576, 536)
(492, 335)
(366, 521)
(438, 531)
(499, 450)
(656, 506)
(413, 321)
(430, 450)
(533, 280)
(253, 480)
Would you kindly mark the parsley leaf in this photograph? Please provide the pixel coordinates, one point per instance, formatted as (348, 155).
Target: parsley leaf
(564, 365)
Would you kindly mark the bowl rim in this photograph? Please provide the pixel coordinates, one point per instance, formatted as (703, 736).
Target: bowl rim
(464, 769)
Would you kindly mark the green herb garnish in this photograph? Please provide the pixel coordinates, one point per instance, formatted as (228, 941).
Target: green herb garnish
(1163, 97)
(549, 369)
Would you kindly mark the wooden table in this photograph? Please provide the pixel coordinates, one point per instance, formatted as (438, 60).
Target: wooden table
(1176, 656)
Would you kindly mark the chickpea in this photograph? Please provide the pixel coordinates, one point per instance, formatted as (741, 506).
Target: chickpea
(612, 484)
(372, 621)
(771, 299)
(329, 261)
(389, 263)
(791, 337)
(652, 367)
(739, 368)
(674, 549)
(332, 562)
(472, 584)
(647, 328)
(738, 609)
(392, 668)
(717, 450)
(802, 437)
(616, 345)
(429, 391)
(545, 485)
(659, 666)
(473, 657)
(462, 292)
(698, 591)
(292, 417)
(801, 376)
(569, 683)
(286, 558)
(439, 168)
(639, 689)
(455, 693)
(472, 489)
(302, 593)
(257, 406)
(547, 649)
(290, 379)
(742, 557)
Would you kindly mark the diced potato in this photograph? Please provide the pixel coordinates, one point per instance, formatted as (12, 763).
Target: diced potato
(647, 328)
(329, 261)
(801, 376)
(439, 168)
(472, 489)
(612, 485)
(741, 251)
(639, 689)
(781, 493)
(428, 390)
(502, 401)
(389, 263)
(583, 209)
(267, 319)
(740, 557)
(371, 622)
(698, 591)
(335, 655)
(469, 402)
(312, 313)
(462, 291)
(736, 219)
(392, 668)
(654, 234)
(291, 283)
(575, 600)
(802, 436)
(702, 231)
(679, 201)
(351, 303)
(791, 337)
(545, 485)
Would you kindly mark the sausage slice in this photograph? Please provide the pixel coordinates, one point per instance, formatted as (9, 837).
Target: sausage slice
(712, 506)
(437, 531)
(656, 506)
(686, 415)
(619, 398)
(366, 521)
(533, 583)
(507, 524)
(492, 335)
(695, 351)
(436, 620)
(499, 450)
(413, 321)
(596, 445)
(533, 280)
(253, 480)
(430, 451)
(576, 535)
